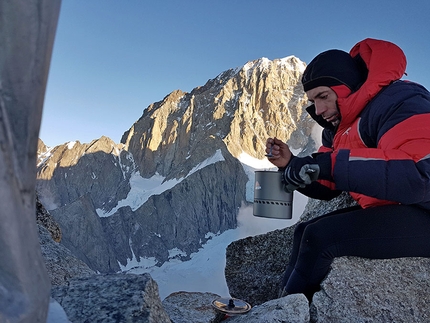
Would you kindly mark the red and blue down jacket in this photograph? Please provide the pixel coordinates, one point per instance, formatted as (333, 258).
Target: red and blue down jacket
(380, 152)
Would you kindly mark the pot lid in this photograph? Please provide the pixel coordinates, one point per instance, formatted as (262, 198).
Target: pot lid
(231, 305)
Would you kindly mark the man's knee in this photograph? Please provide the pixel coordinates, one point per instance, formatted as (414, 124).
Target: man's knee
(317, 235)
(298, 231)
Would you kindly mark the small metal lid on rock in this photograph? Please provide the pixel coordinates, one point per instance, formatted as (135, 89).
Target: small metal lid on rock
(231, 306)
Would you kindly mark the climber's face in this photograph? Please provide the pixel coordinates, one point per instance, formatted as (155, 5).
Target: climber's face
(325, 101)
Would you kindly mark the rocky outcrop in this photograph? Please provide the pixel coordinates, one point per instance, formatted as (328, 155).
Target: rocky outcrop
(291, 309)
(185, 307)
(367, 290)
(45, 219)
(61, 264)
(112, 298)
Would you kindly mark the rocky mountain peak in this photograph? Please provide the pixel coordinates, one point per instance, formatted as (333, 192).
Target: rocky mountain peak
(236, 111)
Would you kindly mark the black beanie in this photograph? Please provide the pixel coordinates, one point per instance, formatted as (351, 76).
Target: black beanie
(333, 67)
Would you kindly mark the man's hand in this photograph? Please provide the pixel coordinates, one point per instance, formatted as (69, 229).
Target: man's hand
(278, 151)
(301, 171)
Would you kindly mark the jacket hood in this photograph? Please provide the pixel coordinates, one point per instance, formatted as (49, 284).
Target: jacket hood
(385, 63)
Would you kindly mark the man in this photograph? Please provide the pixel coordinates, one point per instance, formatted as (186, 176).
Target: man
(376, 146)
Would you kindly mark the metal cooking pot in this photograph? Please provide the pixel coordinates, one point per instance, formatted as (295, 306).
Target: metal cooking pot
(270, 198)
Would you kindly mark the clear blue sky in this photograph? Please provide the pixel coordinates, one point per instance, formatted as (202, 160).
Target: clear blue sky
(113, 58)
